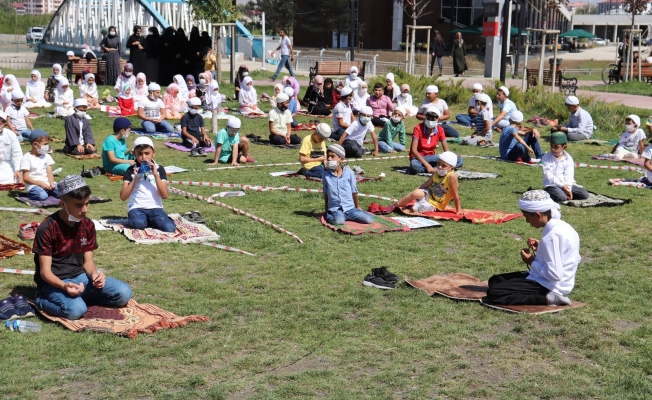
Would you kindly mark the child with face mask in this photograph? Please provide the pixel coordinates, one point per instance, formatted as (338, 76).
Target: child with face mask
(404, 99)
(630, 144)
(393, 128)
(483, 135)
(10, 154)
(193, 130)
(79, 136)
(360, 97)
(115, 156)
(353, 81)
(280, 123)
(125, 78)
(249, 98)
(341, 191)
(425, 139)
(353, 138)
(126, 101)
(36, 166)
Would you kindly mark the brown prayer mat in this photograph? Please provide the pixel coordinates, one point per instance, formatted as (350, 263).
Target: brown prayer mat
(454, 286)
(10, 248)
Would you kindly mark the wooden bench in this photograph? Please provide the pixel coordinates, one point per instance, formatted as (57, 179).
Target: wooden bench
(97, 67)
(336, 68)
(566, 85)
(646, 71)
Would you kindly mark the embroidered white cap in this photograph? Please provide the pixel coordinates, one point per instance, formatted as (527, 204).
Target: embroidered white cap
(143, 141)
(432, 89)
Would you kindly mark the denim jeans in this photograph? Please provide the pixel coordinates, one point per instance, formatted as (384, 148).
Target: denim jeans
(432, 64)
(417, 168)
(163, 126)
(40, 194)
(156, 218)
(385, 147)
(315, 172)
(24, 135)
(337, 134)
(57, 302)
(338, 217)
(449, 131)
(285, 62)
(519, 151)
(352, 149)
(464, 119)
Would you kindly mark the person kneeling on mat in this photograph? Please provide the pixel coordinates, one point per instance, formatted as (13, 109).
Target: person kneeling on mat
(552, 261)
(312, 153)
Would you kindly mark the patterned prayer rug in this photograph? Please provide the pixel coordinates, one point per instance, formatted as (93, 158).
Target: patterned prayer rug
(636, 161)
(637, 183)
(461, 174)
(157, 135)
(10, 248)
(127, 321)
(186, 232)
(83, 156)
(358, 178)
(597, 200)
(381, 224)
(473, 216)
(12, 186)
(53, 201)
(180, 147)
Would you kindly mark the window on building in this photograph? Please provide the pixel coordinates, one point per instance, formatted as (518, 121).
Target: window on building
(464, 12)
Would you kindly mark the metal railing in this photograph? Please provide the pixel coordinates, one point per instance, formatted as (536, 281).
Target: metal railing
(14, 63)
(18, 46)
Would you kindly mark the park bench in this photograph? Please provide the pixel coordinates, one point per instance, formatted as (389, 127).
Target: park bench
(336, 68)
(97, 67)
(646, 71)
(566, 85)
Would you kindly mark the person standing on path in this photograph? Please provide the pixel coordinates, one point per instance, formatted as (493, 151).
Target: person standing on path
(287, 52)
(458, 54)
(111, 47)
(437, 53)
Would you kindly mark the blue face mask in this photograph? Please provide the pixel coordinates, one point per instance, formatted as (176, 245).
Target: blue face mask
(364, 120)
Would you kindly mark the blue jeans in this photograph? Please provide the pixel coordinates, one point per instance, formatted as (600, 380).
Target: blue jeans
(40, 194)
(449, 131)
(315, 172)
(432, 64)
(156, 218)
(417, 168)
(163, 126)
(337, 134)
(519, 151)
(285, 62)
(24, 135)
(385, 147)
(464, 119)
(57, 302)
(338, 217)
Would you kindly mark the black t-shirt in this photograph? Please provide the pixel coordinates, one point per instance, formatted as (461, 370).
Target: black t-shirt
(193, 124)
(65, 244)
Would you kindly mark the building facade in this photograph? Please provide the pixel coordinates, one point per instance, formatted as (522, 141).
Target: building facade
(41, 6)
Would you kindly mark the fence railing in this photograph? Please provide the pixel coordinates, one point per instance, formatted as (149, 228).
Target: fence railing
(13, 63)
(7, 46)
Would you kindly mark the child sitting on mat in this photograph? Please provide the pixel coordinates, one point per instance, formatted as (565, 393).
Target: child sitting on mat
(11, 154)
(144, 184)
(115, 156)
(37, 168)
(437, 192)
(482, 122)
(552, 261)
(79, 136)
(172, 102)
(228, 143)
(312, 153)
(193, 130)
(126, 101)
(280, 123)
(559, 171)
(66, 277)
(393, 128)
(341, 191)
(352, 140)
(513, 147)
(630, 144)
(293, 106)
(647, 157)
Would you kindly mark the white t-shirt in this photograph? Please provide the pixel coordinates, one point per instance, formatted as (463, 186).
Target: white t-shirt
(440, 105)
(489, 106)
(629, 141)
(281, 120)
(357, 132)
(145, 194)
(285, 46)
(37, 167)
(343, 111)
(647, 153)
(17, 117)
(151, 108)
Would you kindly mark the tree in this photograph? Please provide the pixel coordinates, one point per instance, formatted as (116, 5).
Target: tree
(215, 12)
(416, 9)
(634, 7)
(326, 17)
(278, 14)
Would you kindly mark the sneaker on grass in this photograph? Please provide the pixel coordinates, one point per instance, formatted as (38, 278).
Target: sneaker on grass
(23, 309)
(385, 274)
(378, 282)
(358, 170)
(7, 309)
(28, 231)
(250, 160)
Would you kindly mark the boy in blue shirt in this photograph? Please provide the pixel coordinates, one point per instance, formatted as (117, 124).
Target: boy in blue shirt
(229, 142)
(513, 147)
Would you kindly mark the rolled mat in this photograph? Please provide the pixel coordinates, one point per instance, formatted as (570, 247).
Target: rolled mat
(181, 147)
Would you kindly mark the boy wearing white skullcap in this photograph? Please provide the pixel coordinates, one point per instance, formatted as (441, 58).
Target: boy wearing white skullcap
(342, 113)
(79, 136)
(394, 128)
(280, 123)
(353, 138)
(482, 136)
(467, 119)
(66, 276)
(513, 147)
(552, 261)
(151, 111)
(193, 130)
(230, 147)
(340, 191)
(506, 108)
(312, 154)
(630, 144)
(580, 124)
(18, 120)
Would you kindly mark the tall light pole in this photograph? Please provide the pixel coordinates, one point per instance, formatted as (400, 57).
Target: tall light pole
(351, 30)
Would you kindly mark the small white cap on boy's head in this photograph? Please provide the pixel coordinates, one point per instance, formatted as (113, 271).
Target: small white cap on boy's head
(143, 140)
(17, 94)
(516, 116)
(482, 97)
(289, 91)
(504, 90)
(70, 53)
(195, 101)
(402, 110)
(234, 122)
(572, 101)
(153, 87)
(366, 110)
(449, 158)
(477, 86)
(346, 91)
(635, 119)
(79, 102)
(324, 130)
(337, 149)
(433, 110)
(3, 115)
(282, 98)
(432, 89)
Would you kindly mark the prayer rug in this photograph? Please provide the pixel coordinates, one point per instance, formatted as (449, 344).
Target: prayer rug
(305, 114)
(381, 224)
(637, 183)
(127, 321)
(530, 309)
(473, 216)
(10, 248)
(358, 178)
(53, 201)
(186, 232)
(84, 156)
(461, 174)
(180, 147)
(264, 142)
(454, 286)
(35, 115)
(305, 127)
(12, 186)
(113, 177)
(597, 200)
(597, 142)
(636, 161)
(157, 135)
(111, 110)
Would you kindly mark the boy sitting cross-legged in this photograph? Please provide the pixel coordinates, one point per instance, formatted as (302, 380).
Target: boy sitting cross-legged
(312, 153)
(145, 187)
(66, 276)
(36, 166)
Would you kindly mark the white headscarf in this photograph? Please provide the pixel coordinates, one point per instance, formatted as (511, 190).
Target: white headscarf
(90, 90)
(183, 87)
(62, 82)
(215, 98)
(248, 95)
(390, 76)
(12, 79)
(538, 201)
(60, 70)
(38, 78)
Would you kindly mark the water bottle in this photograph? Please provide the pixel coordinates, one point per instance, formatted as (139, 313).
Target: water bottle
(145, 168)
(23, 326)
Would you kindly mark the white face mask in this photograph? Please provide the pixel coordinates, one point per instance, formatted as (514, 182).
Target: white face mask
(202, 81)
(249, 87)
(70, 217)
(396, 120)
(404, 95)
(431, 124)
(112, 33)
(364, 120)
(630, 128)
(442, 172)
(44, 149)
(127, 73)
(331, 164)
(193, 111)
(354, 75)
(80, 113)
(245, 73)
(125, 134)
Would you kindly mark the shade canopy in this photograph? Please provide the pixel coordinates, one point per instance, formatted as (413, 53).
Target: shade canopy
(577, 33)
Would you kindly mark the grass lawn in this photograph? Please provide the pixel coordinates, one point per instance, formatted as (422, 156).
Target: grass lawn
(631, 87)
(295, 321)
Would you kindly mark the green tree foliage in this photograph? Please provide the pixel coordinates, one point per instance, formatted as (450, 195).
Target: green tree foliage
(278, 14)
(325, 16)
(10, 23)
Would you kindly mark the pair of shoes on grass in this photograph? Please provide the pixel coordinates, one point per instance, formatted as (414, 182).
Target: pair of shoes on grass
(381, 278)
(198, 152)
(15, 307)
(194, 216)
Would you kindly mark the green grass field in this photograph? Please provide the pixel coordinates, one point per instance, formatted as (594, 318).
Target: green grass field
(295, 321)
(631, 87)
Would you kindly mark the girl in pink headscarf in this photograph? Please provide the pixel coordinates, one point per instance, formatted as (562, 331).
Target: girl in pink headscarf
(172, 102)
(290, 81)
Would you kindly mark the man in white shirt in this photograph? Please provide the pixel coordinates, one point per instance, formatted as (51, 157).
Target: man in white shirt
(552, 261)
(580, 124)
(287, 54)
(466, 119)
(10, 154)
(342, 114)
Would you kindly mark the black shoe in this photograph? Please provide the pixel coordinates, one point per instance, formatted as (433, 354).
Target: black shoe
(194, 216)
(201, 152)
(366, 151)
(377, 282)
(96, 171)
(86, 173)
(194, 153)
(385, 274)
(22, 306)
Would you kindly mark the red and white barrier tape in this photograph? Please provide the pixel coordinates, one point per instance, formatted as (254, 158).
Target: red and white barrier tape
(348, 160)
(26, 210)
(209, 184)
(618, 167)
(17, 271)
(227, 248)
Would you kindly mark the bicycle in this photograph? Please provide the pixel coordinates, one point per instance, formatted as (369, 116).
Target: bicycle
(609, 73)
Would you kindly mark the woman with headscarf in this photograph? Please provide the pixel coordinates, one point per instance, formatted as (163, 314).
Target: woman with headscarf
(172, 102)
(182, 52)
(141, 88)
(405, 100)
(152, 43)
(35, 92)
(331, 96)
(249, 98)
(53, 82)
(192, 86)
(126, 78)
(314, 98)
(360, 97)
(167, 62)
(63, 99)
(458, 54)
(243, 71)
(137, 53)
(391, 90)
(352, 80)
(88, 91)
(87, 53)
(112, 52)
(9, 85)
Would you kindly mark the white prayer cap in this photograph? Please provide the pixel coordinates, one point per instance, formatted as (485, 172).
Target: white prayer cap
(504, 90)
(143, 141)
(572, 101)
(477, 86)
(433, 110)
(289, 91)
(282, 98)
(346, 91)
(70, 183)
(516, 116)
(635, 118)
(324, 130)
(449, 158)
(366, 110)
(402, 110)
(17, 94)
(482, 97)
(337, 149)
(353, 68)
(195, 101)
(3, 115)
(79, 102)
(153, 87)
(432, 89)
(70, 53)
(538, 201)
(234, 122)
